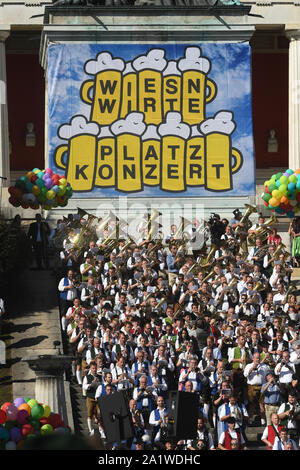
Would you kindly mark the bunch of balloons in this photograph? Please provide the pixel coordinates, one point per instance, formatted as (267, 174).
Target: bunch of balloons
(26, 419)
(282, 193)
(40, 188)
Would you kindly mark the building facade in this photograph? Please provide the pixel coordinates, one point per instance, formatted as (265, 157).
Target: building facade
(28, 28)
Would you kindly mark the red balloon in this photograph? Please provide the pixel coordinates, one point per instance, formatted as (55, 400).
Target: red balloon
(11, 190)
(267, 189)
(55, 420)
(27, 429)
(34, 178)
(44, 421)
(3, 417)
(5, 406)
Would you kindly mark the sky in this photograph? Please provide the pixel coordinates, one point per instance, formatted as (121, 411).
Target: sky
(230, 69)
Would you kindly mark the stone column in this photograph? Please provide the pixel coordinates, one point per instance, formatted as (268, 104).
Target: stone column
(294, 98)
(4, 138)
(49, 384)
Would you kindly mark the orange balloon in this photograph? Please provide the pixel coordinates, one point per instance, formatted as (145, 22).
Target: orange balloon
(26, 407)
(284, 200)
(297, 172)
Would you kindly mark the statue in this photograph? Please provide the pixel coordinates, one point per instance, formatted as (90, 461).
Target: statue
(272, 142)
(30, 135)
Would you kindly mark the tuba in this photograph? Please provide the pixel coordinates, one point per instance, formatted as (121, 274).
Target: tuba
(262, 232)
(249, 210)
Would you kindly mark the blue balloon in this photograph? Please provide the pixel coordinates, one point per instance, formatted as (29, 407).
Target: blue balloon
(4, 434)
(291, 186)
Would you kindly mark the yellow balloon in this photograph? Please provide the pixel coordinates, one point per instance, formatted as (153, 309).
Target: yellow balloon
(274, 202)
(47, 411)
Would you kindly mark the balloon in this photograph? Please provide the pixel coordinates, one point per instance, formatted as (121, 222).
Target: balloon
(2, 417)
(22, 416)
(32, 402)
(27, 429)
(36, 190)
(15, 434)
(10, 445)
(55, 420)
(291, 186)
(47, 411)
(273, 202)
(283, 180)
(50, 194)
(37, 411)
(293, 179)
(18, 401)
(5, 406)
(25, 407)
(11, 412)
(46, 429)
(283, 188)
(4, 434)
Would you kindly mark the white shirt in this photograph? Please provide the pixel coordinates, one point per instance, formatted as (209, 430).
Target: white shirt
(256, 377)
(71, 293)
(233, 435)
(285, 375)
(276, 444)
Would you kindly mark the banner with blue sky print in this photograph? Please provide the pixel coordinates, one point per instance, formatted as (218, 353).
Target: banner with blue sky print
(152, 120)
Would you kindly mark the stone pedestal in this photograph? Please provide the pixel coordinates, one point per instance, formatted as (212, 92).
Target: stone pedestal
(294, 98)
(49, 385)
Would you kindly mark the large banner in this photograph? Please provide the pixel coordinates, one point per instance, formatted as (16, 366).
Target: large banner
(152, 120)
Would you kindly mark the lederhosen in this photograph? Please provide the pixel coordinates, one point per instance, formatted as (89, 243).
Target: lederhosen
(91, 402)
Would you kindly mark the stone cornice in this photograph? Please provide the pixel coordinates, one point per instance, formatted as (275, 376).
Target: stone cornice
(146, 10)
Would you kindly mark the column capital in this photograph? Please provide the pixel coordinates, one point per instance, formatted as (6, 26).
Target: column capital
(4, 32)
(292, 31)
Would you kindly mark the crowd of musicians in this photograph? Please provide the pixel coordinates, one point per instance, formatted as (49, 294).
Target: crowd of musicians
(153, 315)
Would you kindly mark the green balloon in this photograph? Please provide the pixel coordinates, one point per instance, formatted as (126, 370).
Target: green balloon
(34, 423)
(278, 176)
(266, 197)
(284, 180)
(283, 189)
(32, 402)
(37, 411)
(46, 429)
(272, 187)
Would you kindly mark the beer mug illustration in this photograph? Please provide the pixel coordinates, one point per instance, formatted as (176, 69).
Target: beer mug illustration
(174, 135)
(222, 160)
(195, 85)
(149, 68)
(151, 156)
(128, 133)
(171, 88)
(129, 91)
(106, 85)
(105, 175)
(195, 158)
(78, 157)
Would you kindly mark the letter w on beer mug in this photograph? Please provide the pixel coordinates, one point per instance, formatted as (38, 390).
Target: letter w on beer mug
(106, 85)
(78, 157)
(222, 160)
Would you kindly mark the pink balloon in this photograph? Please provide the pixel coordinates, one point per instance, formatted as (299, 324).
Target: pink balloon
(11, 412)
